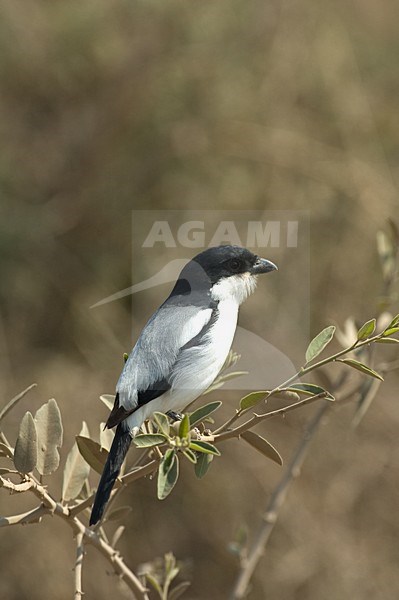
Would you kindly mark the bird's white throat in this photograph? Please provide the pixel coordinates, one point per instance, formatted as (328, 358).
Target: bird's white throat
(235, 287)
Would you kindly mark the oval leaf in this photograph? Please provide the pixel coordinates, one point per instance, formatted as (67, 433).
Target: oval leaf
(310, 389)
(203, 464)
(106, 436)
(5, 450)
(162, 422)
(92, 452)
(76, 470)
(202, 412)
(318, 343)
(117, 535)
(262, 446)
(252, 399)
(109, 400)
(394, 322)
(390, 331)
(192, 457)
(206, 447)
(178, 590)
(361, 367)
(168, 474)
(25, 455)
(49, 437)
(366, 330)
(146, 440)
(387, 341)
(184, 427)
(287, 394)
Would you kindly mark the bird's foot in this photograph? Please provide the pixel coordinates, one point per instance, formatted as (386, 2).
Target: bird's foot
(175, 416)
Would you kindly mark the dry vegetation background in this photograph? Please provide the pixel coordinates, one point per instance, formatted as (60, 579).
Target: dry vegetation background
(110, 106)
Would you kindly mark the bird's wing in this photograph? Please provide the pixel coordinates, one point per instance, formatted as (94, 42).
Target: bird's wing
(146, 374)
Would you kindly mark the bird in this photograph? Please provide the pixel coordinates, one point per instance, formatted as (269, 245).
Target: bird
(181, 349)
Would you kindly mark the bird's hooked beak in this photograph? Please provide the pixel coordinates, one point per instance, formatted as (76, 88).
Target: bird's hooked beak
(263, 266)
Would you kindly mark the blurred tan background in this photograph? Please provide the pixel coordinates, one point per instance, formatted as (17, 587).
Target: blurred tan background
(111, 106)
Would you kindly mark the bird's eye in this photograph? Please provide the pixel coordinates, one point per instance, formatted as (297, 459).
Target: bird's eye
(234, 264)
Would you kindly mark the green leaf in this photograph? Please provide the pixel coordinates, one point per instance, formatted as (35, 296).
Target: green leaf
(25, 455)
(92, 452)
(203, 464)
(168, 474)
(309, 389)
(387, 341)
(5, 451)
(49, 437)
(109, 400)
(179, 590)
(394, 322)
(146, 440)
(390, 331)
(262, 446)
(361, 367)
(192, 457)
(206, 447)
(171, 572)
(366, 330)
(184, 427)
(252, 399)
(318, 343)
(202, 412)
(162, 422)
(76, 470)
(155, 583)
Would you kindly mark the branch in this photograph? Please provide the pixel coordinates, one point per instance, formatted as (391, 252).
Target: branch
(78, 566)
(50, 506)
(220, 437)
(307, 368)
(32, 516)
(133, 475)
(270, 516)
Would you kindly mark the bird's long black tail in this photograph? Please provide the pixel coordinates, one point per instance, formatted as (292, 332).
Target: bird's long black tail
(116, 456)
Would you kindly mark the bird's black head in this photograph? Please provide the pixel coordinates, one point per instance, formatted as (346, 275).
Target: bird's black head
(224, 271)
(228, 261)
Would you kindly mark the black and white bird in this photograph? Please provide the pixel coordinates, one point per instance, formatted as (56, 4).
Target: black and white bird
(181, 349)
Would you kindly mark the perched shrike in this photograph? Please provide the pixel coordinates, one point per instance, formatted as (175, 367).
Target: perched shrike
(181, 349)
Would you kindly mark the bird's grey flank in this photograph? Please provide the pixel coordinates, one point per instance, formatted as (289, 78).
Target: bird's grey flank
(181, 349)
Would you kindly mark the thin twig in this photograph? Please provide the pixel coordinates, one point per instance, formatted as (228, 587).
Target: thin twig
(307, 368)
(78, 566)
(129, 477)
(89, 536)
(6, 409)
(32, 516)
(237, 431)
(276, 501)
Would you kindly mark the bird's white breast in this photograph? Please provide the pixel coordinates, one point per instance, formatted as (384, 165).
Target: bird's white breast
(198, 365)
